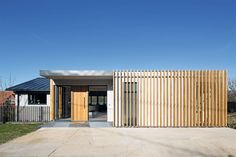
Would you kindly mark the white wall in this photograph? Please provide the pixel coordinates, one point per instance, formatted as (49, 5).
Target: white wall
(48, 99)
(110, 103)
(23, 100)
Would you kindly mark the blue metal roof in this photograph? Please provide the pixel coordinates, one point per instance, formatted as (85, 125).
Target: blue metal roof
(37, 84)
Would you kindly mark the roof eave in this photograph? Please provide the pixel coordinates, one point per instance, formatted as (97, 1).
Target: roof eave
(76, 74)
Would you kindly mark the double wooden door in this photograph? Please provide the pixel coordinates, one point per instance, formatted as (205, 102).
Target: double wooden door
(79, 103)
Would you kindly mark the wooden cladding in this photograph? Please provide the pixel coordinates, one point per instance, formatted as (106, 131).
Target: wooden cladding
(170, 98)
(52, 100)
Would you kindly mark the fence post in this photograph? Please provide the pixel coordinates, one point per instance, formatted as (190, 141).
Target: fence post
(41, 108)
(0, 113)
(4, 115)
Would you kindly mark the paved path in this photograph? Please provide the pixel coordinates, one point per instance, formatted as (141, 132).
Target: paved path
(108, 142)
(92, 124)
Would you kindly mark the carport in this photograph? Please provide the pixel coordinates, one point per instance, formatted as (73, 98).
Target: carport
(80, 95)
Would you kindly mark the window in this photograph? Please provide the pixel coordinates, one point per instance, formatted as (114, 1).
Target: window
(97, 100)
(101, 100)
(37, 99)
(94, 100)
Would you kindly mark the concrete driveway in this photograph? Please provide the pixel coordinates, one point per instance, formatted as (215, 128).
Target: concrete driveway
(124, 142)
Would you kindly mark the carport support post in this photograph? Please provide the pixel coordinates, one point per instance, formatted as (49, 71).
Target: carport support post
(52, 100)
(57, 102)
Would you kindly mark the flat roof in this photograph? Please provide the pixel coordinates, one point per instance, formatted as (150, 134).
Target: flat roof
(60, 74)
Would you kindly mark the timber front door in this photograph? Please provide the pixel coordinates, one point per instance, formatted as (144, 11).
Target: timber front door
(79, 102)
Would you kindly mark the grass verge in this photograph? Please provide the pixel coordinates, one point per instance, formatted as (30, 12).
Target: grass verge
(10, 131)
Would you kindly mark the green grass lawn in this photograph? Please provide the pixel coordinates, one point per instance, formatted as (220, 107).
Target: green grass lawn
(10, 131)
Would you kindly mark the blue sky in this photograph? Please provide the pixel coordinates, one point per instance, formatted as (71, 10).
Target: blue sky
(92, 34)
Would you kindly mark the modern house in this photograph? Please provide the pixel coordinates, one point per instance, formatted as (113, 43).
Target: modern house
(140, 98)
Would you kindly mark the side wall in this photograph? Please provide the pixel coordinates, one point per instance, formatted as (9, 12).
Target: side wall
(170, 98)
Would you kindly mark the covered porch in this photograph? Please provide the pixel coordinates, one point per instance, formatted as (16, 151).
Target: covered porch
(80, 96)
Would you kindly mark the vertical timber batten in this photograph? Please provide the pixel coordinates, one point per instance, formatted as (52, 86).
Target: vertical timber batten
(226, 97)
(52, 100)
(60, 102)
(177, 98)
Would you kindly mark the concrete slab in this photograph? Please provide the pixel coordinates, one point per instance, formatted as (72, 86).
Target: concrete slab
(72, 141)
(100, 124)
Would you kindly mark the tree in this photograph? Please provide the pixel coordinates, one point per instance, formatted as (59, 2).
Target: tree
(7, 108)
(232, 90)
(8, 111)
(6, 83)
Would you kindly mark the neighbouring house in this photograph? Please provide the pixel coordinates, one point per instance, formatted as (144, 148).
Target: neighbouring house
(7, 106)
(7, 95)
(150, 98)
(32, 99)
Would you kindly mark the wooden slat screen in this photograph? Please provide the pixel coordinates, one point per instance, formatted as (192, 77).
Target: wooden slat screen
(170, 98)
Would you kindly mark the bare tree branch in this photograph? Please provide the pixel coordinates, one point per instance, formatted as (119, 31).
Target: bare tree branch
(6, 83)
(232, 90)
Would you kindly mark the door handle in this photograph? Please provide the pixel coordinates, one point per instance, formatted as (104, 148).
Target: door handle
(84, 102)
